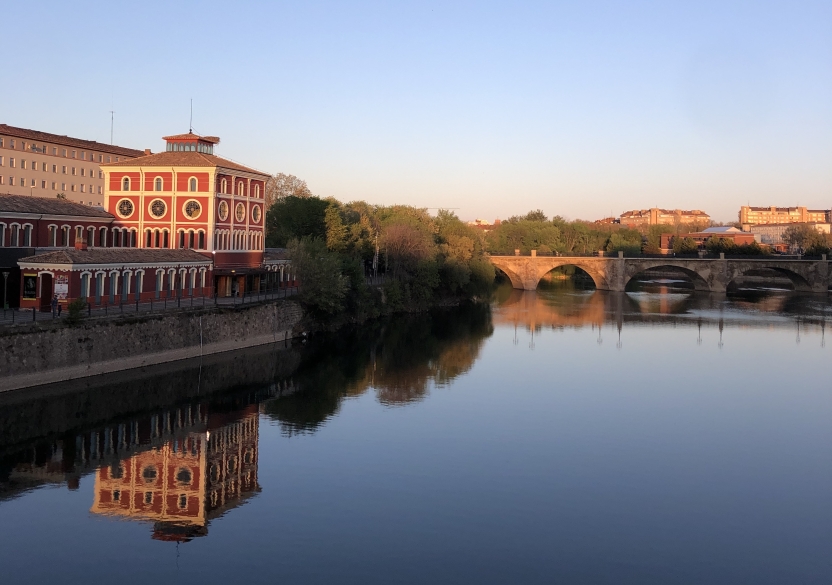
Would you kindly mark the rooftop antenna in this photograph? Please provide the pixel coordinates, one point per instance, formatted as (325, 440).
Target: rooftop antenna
(191, 123)
(112, 112)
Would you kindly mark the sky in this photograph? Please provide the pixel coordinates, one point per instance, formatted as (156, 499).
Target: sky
(581, 109)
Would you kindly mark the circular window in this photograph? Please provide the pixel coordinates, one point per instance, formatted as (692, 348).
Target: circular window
(240, 212)
(192, 209)
(125, 208)
(222, 210)
(158, 208)
(183, 476)
(149, 474)
(255, 214)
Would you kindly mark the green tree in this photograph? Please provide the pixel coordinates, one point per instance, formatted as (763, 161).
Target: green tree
(625, 240)
(685, 246)
(294, 218)
(802, 236)
(323, 285)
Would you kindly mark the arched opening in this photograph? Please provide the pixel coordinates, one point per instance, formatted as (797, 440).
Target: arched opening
(567, 277)
(666, 280)
(768, 280)
(507, 276)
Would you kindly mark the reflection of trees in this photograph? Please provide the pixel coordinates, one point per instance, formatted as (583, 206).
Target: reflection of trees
(399, 358)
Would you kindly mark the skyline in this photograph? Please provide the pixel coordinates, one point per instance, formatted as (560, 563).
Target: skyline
(580, 111)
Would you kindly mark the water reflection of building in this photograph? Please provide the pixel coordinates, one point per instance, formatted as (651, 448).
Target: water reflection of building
(189, 475)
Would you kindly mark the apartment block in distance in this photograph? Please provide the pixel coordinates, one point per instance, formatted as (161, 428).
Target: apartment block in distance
(43, 165)
(657, 216)
(782, 215)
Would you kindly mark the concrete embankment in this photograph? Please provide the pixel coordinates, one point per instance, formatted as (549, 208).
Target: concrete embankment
(59, 353)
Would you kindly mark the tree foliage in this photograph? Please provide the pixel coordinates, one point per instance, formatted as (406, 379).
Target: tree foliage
(806, 239)
(325, 285)
(294, 218)
(423, 258)
(282, 185)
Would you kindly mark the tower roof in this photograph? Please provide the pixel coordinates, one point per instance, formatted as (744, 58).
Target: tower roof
(192, 136)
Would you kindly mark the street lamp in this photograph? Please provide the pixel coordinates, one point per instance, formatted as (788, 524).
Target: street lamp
(5, 282)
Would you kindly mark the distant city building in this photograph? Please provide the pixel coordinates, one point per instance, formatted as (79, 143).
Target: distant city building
(607, 221)
(657, 216)
(483, 225)
(738, 237)
(782, 215)
(44, 165)
(772, 234)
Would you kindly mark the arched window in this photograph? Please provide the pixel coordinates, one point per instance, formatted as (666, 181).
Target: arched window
(224, 186)
(125, 184)
(158, 184)
(148, 239)
(102, 237)
(165, 241)
(27, 236)
(91, 236)
(192, 184)
(181, 240)
(191, 239)
(201, 240)
(241, 188)
(257, 191)
(157, 241)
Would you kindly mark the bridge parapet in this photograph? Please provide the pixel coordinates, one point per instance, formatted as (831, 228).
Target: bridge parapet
(707, 274)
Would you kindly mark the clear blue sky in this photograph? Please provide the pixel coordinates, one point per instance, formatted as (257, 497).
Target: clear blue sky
(579, 108)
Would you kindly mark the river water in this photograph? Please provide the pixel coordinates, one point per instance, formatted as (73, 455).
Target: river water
(563, 436)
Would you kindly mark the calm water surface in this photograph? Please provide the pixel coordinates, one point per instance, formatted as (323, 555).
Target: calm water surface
(566, 436)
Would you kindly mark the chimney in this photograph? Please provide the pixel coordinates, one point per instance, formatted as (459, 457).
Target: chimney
(80, 244)
(147, 152)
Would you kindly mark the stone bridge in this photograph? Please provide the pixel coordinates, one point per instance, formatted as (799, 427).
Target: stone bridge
(712, 275)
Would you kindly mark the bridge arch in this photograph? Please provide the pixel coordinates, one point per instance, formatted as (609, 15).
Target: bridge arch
(798, 281)
(597, 278)
(699, 281)
(516, 279)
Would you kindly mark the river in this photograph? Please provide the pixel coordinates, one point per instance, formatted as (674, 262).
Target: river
(562, 436)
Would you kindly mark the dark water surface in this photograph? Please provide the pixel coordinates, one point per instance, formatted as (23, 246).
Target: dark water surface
(566, 436)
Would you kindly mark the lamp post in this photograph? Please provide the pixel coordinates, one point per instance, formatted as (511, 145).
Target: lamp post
(5, 282)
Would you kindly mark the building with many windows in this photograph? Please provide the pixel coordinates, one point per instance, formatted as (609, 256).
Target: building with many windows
(782, 215)
(657, 216)
(187, 197)
(31, 225)
(179, 223)
(193, 474)
(42, 164)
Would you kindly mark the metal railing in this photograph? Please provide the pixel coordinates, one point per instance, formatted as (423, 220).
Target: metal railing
(13, 317)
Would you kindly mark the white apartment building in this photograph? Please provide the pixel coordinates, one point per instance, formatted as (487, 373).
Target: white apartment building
(44, 165)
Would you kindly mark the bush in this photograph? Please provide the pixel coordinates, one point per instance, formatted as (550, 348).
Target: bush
(75, 311)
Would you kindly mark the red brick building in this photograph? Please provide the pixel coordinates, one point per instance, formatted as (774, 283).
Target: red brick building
(112, 276)
(188, 198)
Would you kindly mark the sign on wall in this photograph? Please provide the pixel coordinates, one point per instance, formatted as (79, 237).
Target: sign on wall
(62, 287)
(30, 286)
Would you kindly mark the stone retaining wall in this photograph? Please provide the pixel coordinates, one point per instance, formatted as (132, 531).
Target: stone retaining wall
(60, 353)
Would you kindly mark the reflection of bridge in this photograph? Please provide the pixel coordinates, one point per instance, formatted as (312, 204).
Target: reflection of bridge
(713, 275)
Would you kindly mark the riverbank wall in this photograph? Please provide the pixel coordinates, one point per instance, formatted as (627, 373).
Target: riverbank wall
(57, 353)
